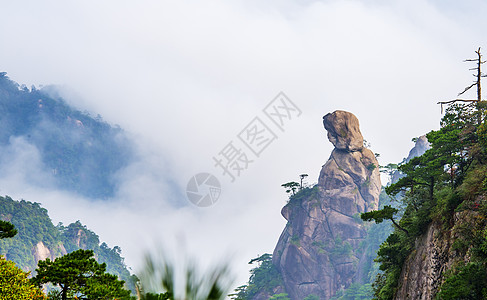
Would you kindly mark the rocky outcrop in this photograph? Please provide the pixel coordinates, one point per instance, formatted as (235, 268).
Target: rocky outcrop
(343, 131)
(319, 251)
(433, 255)
(420, 147)
(422, 271)
(41, 252)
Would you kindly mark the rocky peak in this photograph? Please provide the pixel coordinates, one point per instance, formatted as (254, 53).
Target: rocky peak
(318, 252)
(343, 130)
(420, 147)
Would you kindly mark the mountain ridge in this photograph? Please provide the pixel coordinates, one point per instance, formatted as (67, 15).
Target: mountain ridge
(38, 238)
(77, 152)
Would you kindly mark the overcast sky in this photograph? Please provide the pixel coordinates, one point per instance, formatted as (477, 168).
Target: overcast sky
(184, 78)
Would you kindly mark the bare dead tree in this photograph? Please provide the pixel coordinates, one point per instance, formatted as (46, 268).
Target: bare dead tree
(478, 75)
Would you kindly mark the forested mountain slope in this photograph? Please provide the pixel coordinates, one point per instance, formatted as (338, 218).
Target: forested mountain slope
(81, 153)
(439, 247)
(38, 239)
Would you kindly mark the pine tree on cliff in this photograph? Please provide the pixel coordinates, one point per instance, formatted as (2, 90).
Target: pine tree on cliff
(452, 174)
(79, 274)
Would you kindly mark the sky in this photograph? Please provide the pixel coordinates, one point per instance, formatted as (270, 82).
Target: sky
(185, 78)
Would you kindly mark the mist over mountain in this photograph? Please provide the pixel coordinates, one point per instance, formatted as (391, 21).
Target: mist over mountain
(56, 145)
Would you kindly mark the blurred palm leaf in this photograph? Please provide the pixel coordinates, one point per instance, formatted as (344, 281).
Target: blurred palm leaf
(160, 276)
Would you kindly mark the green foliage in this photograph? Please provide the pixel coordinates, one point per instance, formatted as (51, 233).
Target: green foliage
(386, 213)
(389, 169)
(76, 236)
(291, 187)
(302, 194)
(482, 136)
(7, 230)
(263, 278)
(468, 280)
(340, 249)
(34, 226)
(371, 167)
(473, 184)
(312, 297)
(153, 296)
(445, 179)
(83, 153)
(14, 283)
(295, 241)
(79, 274)
(394, 251)
(281, 296)
(355, 292)
(160, 274)
(386, 284)
(465, 282)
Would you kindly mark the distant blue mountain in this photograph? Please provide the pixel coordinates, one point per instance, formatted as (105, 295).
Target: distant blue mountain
(81, 152)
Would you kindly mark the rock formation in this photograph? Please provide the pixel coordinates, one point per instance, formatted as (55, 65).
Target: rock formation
(41, 252)
(434, 255)
(319, 252)
(420, 147)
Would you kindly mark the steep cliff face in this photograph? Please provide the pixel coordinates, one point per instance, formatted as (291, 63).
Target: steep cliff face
(435, 254)
(41, 252)
(319, 251)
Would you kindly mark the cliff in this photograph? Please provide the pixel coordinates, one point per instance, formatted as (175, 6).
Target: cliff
(439, 247)
(321, 251)
(436, 254)
(420, 147)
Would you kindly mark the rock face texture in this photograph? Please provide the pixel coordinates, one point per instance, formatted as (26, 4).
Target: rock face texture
(424, 270)
(419, 148)
(319, 251)
(41, 252)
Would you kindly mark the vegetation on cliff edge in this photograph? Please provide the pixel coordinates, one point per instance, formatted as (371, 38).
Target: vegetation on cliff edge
(449, 177)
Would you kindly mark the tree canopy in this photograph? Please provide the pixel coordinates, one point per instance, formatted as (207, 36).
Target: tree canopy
(263, 278)
(79, 274)
(7, 230)
(34, 225)
(14, 283)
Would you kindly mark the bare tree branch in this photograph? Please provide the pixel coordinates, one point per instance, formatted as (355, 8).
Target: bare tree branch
(453, 101)
(467, 88)
(456, 100)
(476, 83)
